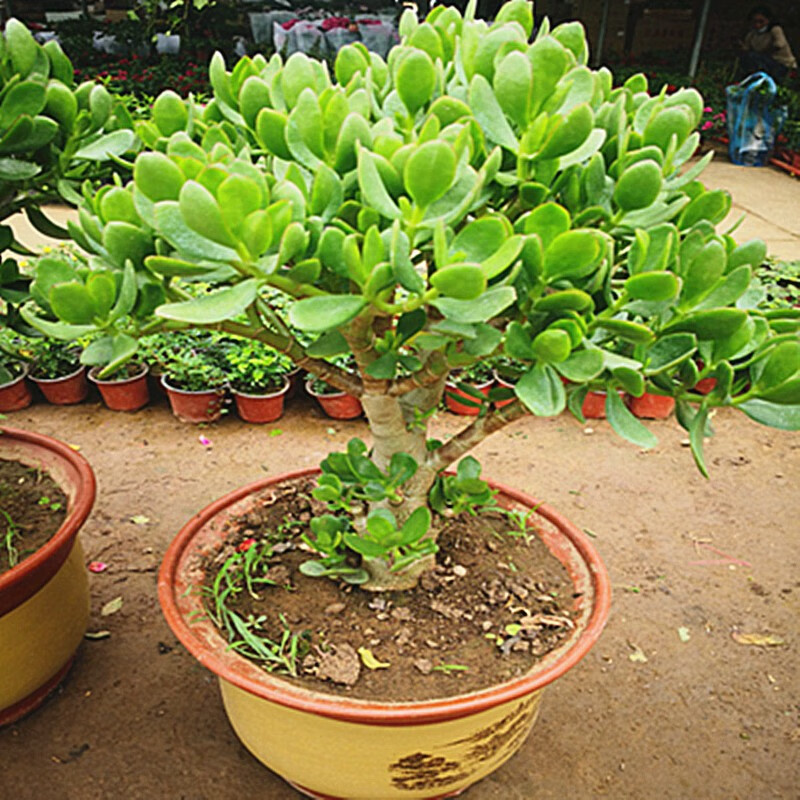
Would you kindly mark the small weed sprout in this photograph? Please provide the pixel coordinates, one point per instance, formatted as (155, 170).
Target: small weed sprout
(8, 539)
(244, 572)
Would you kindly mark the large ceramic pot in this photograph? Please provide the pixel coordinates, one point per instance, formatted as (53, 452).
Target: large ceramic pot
(336, 747)
(44, 600)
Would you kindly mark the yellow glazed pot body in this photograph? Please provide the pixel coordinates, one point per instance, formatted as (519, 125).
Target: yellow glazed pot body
(44, 600)
(414, 761)
(39, 638)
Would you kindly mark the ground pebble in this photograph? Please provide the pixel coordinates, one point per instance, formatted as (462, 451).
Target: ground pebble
(459, 570)
(335, 608)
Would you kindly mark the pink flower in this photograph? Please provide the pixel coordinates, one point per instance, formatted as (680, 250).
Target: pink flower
(97, 566)
(706, 125)
(287, 26)
(707, 110)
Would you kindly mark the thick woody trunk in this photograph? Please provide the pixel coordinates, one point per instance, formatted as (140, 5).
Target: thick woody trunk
(396, 428)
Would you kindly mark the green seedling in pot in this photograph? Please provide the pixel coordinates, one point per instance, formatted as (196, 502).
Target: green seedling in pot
(478, 194)
(11, 533)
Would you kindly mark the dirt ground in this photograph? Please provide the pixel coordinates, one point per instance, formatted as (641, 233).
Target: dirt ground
(694, 714)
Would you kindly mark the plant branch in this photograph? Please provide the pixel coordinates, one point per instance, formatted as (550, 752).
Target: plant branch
(474, 434)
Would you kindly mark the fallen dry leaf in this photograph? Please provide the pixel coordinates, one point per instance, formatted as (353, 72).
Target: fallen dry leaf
(111, 607)
(140, 519)
(684, 635)
(757, 639)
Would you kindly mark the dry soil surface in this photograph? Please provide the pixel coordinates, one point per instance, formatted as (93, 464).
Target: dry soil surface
(668, 704)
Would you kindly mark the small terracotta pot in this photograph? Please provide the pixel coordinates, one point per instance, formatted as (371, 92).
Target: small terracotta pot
(457, 407)
(194, 406)
(306, 736)
(651, 406)
(337, 406)
(65, 391)
(16, 395)
(706, 385)
(261, 408)
(594, 405)
(44, 600)
(129, 394)
(506, 385)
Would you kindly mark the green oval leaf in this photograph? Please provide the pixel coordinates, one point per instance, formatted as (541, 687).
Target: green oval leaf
(217, 306)
(317, 314)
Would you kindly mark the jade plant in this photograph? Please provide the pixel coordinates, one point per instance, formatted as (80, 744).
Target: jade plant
(483, 192)
(53, 136)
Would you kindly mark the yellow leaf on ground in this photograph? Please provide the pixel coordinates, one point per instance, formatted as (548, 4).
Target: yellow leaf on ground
(111, 607)
(637, 655)
(758, 639)
(369, 660)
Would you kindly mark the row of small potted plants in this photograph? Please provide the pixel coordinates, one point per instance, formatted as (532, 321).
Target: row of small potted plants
(196, 370)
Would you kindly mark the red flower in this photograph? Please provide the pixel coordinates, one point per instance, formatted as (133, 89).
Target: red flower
(245, 545)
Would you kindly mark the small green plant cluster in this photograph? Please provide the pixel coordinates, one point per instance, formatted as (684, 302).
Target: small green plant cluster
(463, 492)
(50, 358)
(243, 571)
(349, 483)
(253, 367)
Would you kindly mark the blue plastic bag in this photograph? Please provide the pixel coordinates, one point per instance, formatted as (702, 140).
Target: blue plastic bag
(754, 120)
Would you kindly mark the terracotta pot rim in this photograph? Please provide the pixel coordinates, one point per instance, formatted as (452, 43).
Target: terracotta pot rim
(25, 373)
(370, 711)
(479, 386)
(281, 391)
(143, 371)
(76, 516)
(337, 393)
(78, 371)
(219, 390)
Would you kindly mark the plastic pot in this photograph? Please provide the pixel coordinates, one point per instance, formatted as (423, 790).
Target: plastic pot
(339, 405)
(651, 406)
(129, 394)
(44, 600)
(260, 408)
(452, 393)
(330, 746)
(506, 385)
(194, 407)
(16, 395)
(65, 391)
